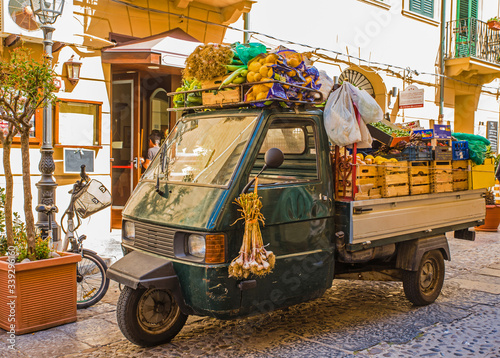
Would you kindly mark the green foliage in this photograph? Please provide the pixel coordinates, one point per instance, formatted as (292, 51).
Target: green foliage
(493, 19)
(25, 84)
(42, 249)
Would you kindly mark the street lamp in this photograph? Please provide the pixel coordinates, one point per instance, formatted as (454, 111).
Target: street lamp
(47, 12)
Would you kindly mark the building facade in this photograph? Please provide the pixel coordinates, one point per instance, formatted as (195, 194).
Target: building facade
(384, 46)
(131, 54)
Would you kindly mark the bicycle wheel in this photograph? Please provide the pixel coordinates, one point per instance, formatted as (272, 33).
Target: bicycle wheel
(91, 281)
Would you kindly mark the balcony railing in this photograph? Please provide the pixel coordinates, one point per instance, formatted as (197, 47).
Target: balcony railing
(472, 38)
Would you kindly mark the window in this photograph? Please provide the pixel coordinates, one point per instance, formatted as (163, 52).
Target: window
(423, 7)
(78, 123)
(159, 119)
(35, 130)
(297, 140)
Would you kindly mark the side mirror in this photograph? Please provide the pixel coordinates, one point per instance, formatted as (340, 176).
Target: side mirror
(273, 159)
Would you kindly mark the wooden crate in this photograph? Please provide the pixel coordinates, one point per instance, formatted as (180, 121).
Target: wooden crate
(460, 175)
(219, 96)
(394, 176)
(419, 175)
(441, 176)
(367, 181)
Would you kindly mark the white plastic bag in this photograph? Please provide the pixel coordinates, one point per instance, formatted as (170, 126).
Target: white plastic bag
(326, 84)
(340, 120)
(368, 108)
(366, 137)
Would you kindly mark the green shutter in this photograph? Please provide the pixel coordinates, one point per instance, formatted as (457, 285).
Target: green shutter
(423, 7)
(467, 9)
(466, 28)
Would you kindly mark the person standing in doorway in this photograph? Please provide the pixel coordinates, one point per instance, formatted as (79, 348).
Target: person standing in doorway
(154, 147)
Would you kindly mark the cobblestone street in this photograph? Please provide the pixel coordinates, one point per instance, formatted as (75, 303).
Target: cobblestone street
(352, 319)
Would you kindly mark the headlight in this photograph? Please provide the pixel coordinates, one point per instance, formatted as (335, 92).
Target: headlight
(196, 245)
(128, 232)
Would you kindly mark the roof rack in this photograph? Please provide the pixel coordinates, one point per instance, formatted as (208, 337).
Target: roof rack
(240, 102)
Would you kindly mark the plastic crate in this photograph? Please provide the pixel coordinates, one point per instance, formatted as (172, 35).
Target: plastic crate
(443, 153)
(411, 154)
(420, 152)
(460, 150)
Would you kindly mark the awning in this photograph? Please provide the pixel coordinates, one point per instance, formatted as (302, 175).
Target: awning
(168, 49)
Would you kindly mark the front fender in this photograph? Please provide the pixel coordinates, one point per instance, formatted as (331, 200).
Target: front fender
(142, 270)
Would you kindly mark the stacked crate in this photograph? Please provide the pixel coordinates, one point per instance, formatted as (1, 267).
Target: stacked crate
(460, 175)
(441, 176)
(419, 176)
(395, 181)
(367, 181)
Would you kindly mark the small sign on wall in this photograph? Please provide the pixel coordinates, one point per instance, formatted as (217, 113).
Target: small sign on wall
(75, 157)
(411, 97)
(492, 135)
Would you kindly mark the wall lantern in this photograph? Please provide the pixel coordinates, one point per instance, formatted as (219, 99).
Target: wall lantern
(73, 68)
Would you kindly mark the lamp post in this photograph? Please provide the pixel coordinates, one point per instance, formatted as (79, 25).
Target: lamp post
(47, 12)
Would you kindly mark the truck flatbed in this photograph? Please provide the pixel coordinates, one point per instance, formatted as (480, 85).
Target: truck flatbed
(376, 222)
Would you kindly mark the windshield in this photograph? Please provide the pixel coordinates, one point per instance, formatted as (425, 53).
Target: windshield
(202, 151)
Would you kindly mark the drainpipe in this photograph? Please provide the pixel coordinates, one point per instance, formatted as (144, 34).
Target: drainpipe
(246, 26)
(443, 40)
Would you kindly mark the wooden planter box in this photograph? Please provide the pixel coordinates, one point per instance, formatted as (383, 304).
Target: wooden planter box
(494, 25)
(41, 294)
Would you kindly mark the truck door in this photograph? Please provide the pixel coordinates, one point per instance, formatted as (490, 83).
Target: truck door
(297, 211)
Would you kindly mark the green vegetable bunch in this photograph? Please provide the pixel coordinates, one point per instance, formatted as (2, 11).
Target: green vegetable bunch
(391, 131)
(191, 99)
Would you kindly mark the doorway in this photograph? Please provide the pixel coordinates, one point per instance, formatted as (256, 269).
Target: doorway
(124, 156)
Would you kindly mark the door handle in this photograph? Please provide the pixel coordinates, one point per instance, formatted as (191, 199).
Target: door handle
(135, 161)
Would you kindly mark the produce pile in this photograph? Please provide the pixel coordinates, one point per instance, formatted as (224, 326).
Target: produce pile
(390, 131)
(241, 63)
(191, 99)
(253, 258)
(416, 141)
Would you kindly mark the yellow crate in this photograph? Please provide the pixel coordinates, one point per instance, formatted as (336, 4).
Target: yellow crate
(482, 176)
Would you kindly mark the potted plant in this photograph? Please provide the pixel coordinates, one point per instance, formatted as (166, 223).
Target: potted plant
(494, 23)
(39, 292)
(492, 219)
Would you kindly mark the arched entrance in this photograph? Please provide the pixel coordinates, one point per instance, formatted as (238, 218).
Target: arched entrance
(365, 78)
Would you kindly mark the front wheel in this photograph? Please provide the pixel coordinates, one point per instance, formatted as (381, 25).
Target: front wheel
(422, 287)
(91, 281)
(148, 317)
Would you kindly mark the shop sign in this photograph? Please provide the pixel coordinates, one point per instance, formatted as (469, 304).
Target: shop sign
(411, 97)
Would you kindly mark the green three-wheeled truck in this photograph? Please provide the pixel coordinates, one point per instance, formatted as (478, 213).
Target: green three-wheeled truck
(179, 237)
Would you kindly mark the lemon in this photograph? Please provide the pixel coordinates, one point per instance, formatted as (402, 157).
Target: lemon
(251, 76)
(264, 70)
(254, 66)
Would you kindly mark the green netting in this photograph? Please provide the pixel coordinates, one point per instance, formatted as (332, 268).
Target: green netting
(478, 146)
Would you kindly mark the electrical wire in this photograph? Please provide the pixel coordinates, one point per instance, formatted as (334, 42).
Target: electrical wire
(314, 49)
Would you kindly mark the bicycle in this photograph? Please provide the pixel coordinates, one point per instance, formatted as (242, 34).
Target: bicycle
(92, 283)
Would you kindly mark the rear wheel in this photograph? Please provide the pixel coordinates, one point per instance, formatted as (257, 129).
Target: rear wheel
(149, 317)
(91, 281)
(422, 287)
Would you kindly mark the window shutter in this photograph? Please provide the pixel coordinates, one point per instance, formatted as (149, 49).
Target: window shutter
(423, 7)
(467, 9)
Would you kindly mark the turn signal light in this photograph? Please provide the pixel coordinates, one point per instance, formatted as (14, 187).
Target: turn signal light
(215, 252)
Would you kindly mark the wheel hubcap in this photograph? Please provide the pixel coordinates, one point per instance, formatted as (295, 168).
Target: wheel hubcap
(428, 276)
(157, 311)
